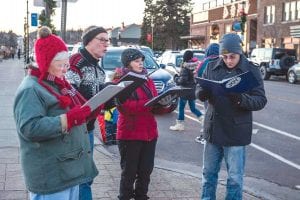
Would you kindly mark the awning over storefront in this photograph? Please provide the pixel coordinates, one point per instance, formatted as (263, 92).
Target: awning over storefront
(194, 41)
(295, 31)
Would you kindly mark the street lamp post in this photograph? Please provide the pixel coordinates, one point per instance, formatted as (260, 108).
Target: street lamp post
(152, 36)
(27, 35)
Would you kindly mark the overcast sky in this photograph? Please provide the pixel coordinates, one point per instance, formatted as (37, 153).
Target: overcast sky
(83, 13)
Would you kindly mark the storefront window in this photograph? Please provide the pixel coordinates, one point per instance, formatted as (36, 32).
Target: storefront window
(228, 28)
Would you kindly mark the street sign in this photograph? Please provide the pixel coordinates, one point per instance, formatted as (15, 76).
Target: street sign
(34, 19)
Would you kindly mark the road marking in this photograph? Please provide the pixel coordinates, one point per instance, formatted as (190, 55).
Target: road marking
(277, 131)
(261, 125)
(274, 155)
(201, 105)
(255, 131)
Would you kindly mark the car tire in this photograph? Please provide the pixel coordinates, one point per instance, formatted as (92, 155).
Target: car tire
(291, 77)
(264, 74)
(286, 62)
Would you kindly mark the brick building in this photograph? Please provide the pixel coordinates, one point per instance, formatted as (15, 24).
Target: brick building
(279, 24)
(269, 23)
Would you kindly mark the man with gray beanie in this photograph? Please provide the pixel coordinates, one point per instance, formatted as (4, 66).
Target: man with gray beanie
(88, 78)
(228, 119)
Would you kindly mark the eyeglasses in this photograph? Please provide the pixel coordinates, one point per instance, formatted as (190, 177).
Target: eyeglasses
(63, 66)
(230, 56)
(102, 40)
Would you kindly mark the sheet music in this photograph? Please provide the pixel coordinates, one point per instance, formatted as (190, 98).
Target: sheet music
(106, 94)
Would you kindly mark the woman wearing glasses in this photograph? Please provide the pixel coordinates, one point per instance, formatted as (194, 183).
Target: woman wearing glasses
(51, 125)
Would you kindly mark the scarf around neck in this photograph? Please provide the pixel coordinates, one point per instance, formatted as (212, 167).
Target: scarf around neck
(68, 95)
(145, 88)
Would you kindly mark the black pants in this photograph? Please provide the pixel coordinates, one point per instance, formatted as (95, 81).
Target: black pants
(137, 162)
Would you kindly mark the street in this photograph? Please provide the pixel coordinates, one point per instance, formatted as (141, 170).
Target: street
(272, 157)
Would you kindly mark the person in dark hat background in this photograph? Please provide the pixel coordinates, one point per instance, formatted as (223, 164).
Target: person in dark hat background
(186, 79)
(88, 78)
(51, 125)
(228, 119)
(137, 131)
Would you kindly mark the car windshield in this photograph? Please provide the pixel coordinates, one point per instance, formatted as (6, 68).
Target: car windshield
(112, 60)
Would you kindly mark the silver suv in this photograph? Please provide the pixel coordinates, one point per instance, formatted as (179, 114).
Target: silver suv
(273, 61)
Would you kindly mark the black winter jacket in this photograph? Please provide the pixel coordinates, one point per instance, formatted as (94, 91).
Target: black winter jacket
(186, 79)
(227, 123)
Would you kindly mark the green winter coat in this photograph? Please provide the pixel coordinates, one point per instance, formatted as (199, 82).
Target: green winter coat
(51, 161)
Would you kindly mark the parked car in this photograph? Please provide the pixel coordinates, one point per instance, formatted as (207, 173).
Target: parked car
(273, 61)
(293, 74)
(193, 50)
(162, 79)
(165, 56)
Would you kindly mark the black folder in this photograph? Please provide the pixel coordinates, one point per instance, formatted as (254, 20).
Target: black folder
(176, 91)
(138, 80)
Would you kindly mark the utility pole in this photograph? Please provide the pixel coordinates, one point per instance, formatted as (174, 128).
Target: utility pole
(152, 36)
(26, 27)
(63, 19)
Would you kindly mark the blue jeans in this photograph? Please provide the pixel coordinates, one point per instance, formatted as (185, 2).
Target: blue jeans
(85, 190)
(234, 157)
(192, 105)
(67, 194)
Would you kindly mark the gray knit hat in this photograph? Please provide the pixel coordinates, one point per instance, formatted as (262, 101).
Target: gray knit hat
(129, 55)
(91, 32)
(231, 43)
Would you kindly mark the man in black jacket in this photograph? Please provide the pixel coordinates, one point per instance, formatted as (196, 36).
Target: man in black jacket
(228, 119)
(88, 78)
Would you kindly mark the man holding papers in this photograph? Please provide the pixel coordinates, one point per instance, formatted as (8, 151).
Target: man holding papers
(228, 120)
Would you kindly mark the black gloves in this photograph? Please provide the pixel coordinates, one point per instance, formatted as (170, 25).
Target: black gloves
(202, 94)
(235, 98)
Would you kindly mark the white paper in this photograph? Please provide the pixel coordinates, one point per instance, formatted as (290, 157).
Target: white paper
(106, 94)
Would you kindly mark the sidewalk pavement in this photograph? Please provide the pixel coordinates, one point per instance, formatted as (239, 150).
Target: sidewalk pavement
(165, 184)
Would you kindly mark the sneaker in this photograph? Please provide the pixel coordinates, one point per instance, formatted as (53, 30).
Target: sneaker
(200, 139)
(179, 126)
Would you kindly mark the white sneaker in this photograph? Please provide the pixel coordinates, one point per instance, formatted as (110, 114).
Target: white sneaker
(179, 126)
(200, 139)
